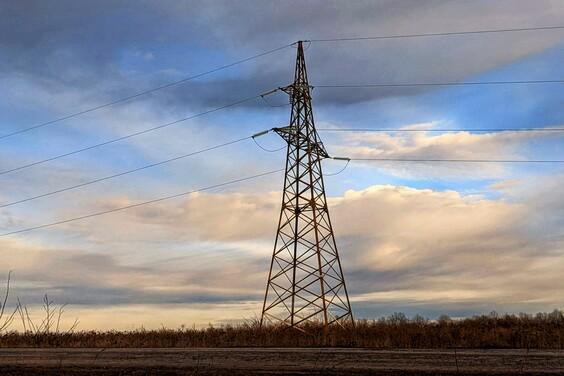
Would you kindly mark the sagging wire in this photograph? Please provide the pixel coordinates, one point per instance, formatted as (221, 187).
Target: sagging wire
(341, 170)
(143, 203)
(142, 93)
(268, 103)
(273, 105)
(254, 137)
(268, 150)
(123, 173)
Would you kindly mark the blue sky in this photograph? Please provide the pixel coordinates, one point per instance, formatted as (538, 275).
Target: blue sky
(414, 237)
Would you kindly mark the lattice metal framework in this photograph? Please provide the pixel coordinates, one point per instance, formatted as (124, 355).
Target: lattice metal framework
(306, 280)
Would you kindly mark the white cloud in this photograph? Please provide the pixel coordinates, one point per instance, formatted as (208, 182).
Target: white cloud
(399, 246)
(507, 145)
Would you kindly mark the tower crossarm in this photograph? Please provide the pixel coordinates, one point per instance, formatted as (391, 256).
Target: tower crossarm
(297, 90)
(289, 135)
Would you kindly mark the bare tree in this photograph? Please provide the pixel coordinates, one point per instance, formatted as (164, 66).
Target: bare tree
(51, 321)
(6, 321)
(5, 318)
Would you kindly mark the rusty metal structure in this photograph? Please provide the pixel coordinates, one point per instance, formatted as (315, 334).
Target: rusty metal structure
(305, 282)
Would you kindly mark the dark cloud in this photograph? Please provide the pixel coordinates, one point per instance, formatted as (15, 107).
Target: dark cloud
(78, 294)
(48, 38)
(67, 278)
(80, 43)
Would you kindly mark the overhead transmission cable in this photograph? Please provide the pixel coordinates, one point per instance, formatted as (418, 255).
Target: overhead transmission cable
(130, 171)
(266, 149)
(142, 93)
(131, 135)
(392, 130)
(438, 34)
(450, 160)
(160, 199)
(178, 82)
(342, 169)
(454, 83)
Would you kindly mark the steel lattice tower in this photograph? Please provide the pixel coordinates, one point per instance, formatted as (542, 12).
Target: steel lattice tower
(306, 280)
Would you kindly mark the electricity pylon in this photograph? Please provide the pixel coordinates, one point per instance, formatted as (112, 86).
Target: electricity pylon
(306, 280)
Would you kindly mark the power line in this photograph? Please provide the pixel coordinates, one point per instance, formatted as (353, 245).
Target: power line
(178, 82)
(415, 84)
(464, 32)
(460, 160)
(145, 92)
(273, 105)
(124, 172)
(141, 203)
(341, 170)
(266, 149)
(391, 130)
(127, 136)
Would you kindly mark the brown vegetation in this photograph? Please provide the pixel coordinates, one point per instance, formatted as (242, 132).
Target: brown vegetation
(540, 331)
(523, 331)
(48, 324)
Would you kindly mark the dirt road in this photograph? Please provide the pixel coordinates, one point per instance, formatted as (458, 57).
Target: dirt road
(264, 361)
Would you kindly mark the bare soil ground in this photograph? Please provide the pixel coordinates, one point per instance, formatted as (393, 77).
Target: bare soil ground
(278, 361)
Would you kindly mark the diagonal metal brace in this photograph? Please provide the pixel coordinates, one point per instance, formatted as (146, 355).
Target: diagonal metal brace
(288, 133)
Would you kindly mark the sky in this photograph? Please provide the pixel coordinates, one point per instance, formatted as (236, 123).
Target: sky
(419, 238)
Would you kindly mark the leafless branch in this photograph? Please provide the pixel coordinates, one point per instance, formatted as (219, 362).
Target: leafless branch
(8, 320)
(30, 321)
(61, 311)
(73, 326)
(22, 316)
(6, 295)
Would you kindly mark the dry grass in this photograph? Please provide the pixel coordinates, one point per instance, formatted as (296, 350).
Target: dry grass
(540, 331)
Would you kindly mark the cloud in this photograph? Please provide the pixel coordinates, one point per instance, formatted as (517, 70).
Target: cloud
(426, 145)
(456, 145)
(400, 246)
(82, 45)
(67, 276)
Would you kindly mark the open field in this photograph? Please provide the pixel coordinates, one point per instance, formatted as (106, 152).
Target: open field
(543, 331)
(279, 361)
